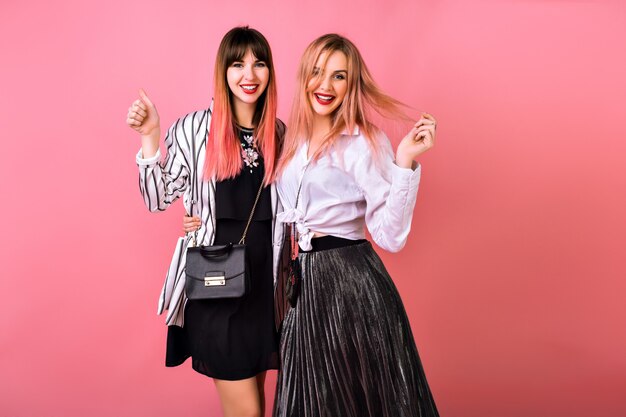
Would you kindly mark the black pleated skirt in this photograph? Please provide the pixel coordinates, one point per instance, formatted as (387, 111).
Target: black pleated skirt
(232, 339)
(347, 349)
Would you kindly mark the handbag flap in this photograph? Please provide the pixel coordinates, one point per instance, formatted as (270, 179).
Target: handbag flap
(226, 260)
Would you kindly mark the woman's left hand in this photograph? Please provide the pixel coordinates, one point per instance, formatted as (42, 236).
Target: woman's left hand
(191, 224)
(420, 139)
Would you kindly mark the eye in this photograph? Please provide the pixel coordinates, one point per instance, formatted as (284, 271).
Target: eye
(316, 72)
(340, 77)
(260, 64)
(237, 65)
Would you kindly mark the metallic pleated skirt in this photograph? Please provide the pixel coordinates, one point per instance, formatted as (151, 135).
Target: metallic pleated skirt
(347, 349)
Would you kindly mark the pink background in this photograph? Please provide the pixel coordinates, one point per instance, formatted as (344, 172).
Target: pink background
(513, 277)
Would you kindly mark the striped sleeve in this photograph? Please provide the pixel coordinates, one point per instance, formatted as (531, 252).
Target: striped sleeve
(162, 183)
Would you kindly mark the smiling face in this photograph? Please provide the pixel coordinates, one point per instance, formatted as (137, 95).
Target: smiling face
(247, 79)
(331, 72)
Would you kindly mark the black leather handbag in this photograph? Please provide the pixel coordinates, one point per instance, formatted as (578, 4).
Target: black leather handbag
(294, 272)
(292, 284)
(219, 271)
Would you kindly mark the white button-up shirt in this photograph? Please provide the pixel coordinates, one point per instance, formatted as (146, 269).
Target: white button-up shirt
(347, 188)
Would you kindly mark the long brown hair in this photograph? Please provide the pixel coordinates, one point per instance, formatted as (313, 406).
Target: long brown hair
(363, 96)
(223, 152)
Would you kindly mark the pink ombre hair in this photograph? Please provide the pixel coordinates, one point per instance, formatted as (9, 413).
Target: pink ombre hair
(362, 97)
(223, 151)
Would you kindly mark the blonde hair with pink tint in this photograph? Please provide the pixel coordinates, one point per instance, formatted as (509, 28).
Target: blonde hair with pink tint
(223, 150)
(362, 97)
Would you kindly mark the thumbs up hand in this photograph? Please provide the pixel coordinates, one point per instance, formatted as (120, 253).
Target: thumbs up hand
(143, 117)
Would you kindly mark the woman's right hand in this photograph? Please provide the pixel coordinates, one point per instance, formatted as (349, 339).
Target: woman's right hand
(142, 116)
(420, 139)
(191, 224)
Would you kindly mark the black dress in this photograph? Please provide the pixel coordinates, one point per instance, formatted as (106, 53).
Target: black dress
(234, 339)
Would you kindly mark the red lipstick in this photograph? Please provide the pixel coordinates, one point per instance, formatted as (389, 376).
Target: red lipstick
(324, 99)
(249, 88)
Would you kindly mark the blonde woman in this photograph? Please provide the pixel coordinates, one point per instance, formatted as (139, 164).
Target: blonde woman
(346, 346)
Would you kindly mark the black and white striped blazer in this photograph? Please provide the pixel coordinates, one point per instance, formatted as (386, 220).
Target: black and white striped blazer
(163, 182)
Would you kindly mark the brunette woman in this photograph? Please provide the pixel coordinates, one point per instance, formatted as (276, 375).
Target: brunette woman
(216, 160)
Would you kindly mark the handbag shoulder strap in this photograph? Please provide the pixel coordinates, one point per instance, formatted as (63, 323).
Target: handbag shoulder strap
(256, 200)
(194, 181)
(306, 167)
(293, 232)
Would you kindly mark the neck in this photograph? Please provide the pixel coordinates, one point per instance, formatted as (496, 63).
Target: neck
(244, 113)
(321, 127)
(319, 130)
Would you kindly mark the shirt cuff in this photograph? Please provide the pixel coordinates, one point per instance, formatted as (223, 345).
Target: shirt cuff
(148, 161)
(406, 178)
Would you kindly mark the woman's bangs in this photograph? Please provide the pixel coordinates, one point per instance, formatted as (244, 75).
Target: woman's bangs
(260, 51)
(245, 41)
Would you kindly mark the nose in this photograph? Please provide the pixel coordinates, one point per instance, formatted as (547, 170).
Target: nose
(326, 84)
(248, 72)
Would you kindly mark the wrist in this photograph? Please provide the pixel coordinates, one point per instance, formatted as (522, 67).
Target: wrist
(404, 162)
(153, 135)
(150, 143)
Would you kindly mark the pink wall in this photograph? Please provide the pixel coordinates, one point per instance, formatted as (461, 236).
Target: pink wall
(513, 277)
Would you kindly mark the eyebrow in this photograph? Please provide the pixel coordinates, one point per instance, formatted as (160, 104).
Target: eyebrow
(241, 60)
(334, 72)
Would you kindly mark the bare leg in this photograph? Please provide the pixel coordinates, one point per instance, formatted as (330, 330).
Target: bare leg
(260, 380)
(240, 398)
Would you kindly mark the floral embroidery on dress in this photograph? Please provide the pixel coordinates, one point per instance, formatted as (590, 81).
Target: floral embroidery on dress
(250, 157)
(248, 152)
(247, 137)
